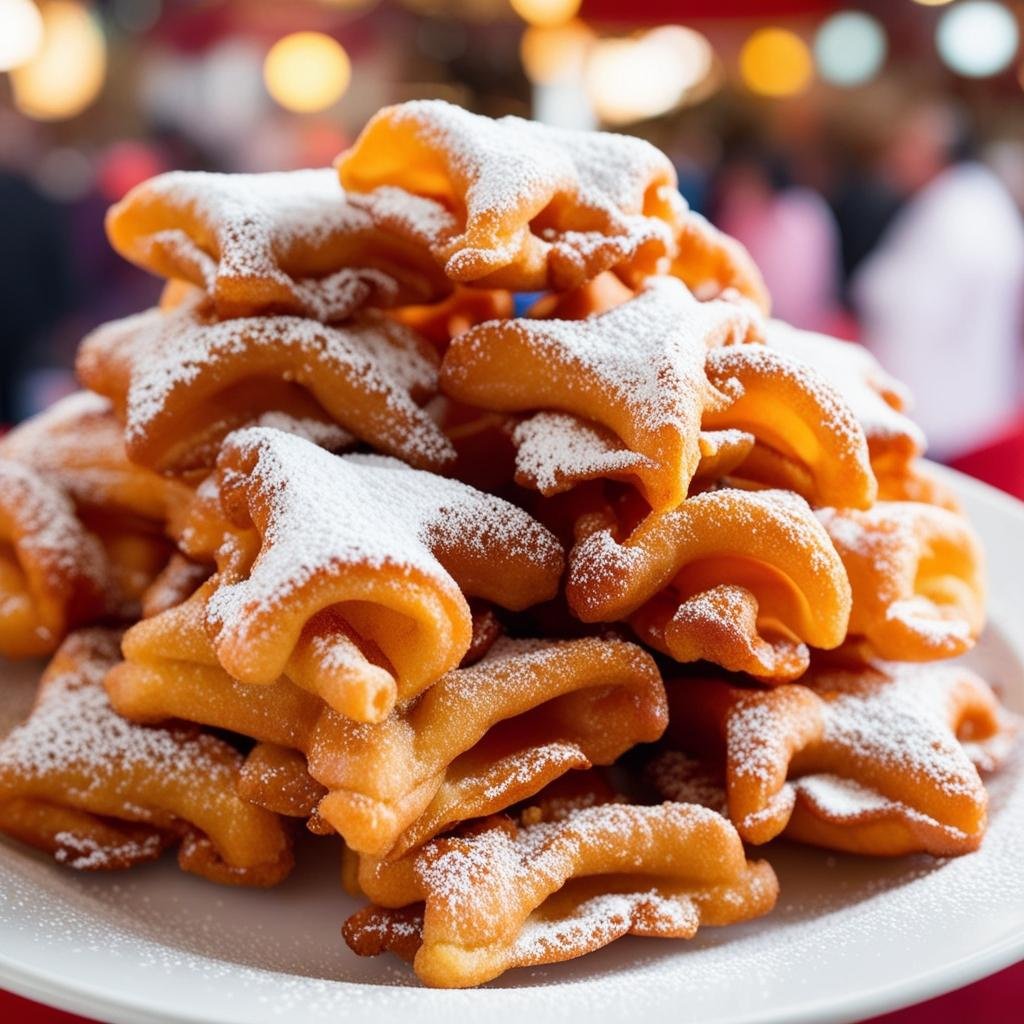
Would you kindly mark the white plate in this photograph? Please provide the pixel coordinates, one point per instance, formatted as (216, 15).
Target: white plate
(851, 936)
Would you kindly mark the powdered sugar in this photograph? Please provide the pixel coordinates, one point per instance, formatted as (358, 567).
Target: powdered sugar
(876, 399)
(585, 189)
(170, 360)
(49, 535)
(268, 230)
(74, 738)
(326, 512)
(554, 451)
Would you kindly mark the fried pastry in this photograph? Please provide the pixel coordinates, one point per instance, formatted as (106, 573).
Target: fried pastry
(353, 576)
(481, 738)
(598, 295)
(636, 370)
(916, 575)
(283, 243)
(98, 792)
(464, 308)
(465, 909)
(556, 452)
(878, 400)
(878, 759)
(78, 445)
(744, 579)
(796, 417)
(778, 424)
(181, 383)
(710, 263)
(54, 573)
(535, 207)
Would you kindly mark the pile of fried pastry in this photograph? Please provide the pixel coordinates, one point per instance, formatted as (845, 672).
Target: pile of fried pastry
(551, 619)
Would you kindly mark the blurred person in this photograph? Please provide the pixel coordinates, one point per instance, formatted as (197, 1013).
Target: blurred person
(940, 299)
(790, 232)
(34, 265)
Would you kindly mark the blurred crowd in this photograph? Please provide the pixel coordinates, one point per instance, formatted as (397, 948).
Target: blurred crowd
(889, 213)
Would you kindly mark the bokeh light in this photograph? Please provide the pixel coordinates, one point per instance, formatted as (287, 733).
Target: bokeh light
(68, 70)
(977, 38)
(21, 32)
(775, 62)
(850, 48)
(555, 54)
(546, 13)
(307, 72)
(632, 79)
(933, 3)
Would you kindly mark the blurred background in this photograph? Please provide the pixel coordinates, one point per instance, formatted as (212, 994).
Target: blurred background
(870, 154)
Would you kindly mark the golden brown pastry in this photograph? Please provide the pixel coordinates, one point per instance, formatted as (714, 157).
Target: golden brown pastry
(282, 243)
(637, 370)
(465, 909)
(534, 206)
(916, 575)
(182, 382)
(99, 792)
(746, 579)
(878, 759)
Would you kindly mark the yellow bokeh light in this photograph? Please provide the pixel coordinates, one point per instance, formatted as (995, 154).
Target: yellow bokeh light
(933, 3)
(775, 62)
(555, 54)
(67, 72)
(21, 32)
(645, 76)
(546, 13)
(307, 72)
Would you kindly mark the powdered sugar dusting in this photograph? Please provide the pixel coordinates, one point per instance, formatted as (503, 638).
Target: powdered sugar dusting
(556, 450)
(876, 399)
(168, 357)
(73, 731)
(255, 228)
(326, 512)
(508, 172)
(49, 533)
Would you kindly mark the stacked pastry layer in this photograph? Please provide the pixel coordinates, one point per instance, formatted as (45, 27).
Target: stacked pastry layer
(545, 622)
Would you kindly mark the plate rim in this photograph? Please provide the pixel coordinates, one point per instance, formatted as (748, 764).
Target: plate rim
(48, 987)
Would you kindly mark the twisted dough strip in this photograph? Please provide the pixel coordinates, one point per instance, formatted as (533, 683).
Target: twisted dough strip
(352, 574)
(534, 207)
(54, 573)
(744, 579)
(916, 574)
(797, 414)
(78, 445)
(466, 909)
(873, 760)
(637, 370)
(181, 383)
(877, 400)
(710, 262)
(284, 243)
(480, 739)
(807, 439)
(75, 764)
